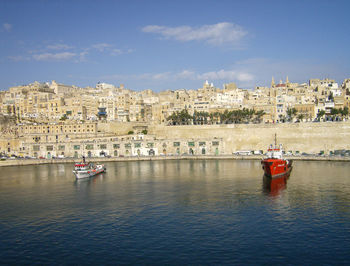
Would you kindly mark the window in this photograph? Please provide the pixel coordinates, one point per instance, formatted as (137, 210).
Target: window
(191, 144)
(215, 143)
(127, 145)
(176, 144)
(103, 146)
(150, 145)
(49, 148)
(36, 148)
(137, 145)
(89, 146)
(76, 147)
(61, 147)
(116, 146)
(201, 143)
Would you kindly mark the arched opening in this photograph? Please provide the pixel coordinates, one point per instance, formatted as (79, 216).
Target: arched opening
(203, 151)
(48, 155)
(75, 154)
(190, 151)
(151, 152)
(115, 153)
(89, 154)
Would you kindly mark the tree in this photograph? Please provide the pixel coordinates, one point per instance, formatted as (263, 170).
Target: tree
(144, 131)
(258, 115)
(291, 112)
(282, 118)
(320, 114)
(330, 97)
(180, 118)
(346, 111)
(334, 112)
(63, 117)
(300, 117)
(130, 132)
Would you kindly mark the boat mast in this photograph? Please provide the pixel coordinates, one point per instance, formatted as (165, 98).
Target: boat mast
(275, 140)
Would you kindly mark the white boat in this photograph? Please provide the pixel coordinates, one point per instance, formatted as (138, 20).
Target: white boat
(84, 170)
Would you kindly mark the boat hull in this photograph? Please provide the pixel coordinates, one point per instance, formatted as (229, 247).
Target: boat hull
(88, 173)
(276, 167)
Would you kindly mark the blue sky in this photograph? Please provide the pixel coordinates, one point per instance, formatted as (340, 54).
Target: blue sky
(162, 45)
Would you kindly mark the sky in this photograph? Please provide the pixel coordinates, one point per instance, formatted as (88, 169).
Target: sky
(169, 45)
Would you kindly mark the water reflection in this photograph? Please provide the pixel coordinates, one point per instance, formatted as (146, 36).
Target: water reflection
(86, 182)
(175, 212)
(273, 186)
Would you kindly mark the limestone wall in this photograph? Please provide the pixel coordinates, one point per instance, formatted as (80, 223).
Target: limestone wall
(303, 137)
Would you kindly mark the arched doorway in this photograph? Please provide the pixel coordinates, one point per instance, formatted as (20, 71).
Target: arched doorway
(178, 151)
(89, 154)
(48, 155)
(164, 151)
(203, 151)
(217, 151)
(75, 154)
(191, 152)
(151, 152)
(138, 152)
(115, 153)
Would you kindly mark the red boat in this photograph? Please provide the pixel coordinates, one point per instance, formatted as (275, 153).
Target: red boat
(273, 186)
(274, 165)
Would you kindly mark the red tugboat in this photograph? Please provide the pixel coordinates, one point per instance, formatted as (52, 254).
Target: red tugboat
(274, 165)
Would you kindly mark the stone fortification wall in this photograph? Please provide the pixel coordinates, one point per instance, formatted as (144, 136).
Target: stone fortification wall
(118, 128)
(302, 137)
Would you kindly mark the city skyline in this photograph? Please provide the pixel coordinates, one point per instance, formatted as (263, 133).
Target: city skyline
(163, 45)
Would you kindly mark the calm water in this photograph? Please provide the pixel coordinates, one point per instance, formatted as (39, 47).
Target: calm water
(175, 212)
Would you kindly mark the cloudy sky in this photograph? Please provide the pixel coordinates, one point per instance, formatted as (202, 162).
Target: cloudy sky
(162, 45)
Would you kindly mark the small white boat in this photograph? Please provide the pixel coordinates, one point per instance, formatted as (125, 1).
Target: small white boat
(84, 170)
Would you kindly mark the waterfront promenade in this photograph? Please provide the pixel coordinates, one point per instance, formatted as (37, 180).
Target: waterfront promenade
(19, 162)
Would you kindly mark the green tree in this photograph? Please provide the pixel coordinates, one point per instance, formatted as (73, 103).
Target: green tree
(320, 114)
(258, 115)
(291, 112)
(63, 117)
(300, 117)
(130, 132)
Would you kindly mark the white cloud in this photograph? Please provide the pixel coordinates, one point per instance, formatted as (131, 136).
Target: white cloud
(54, 56)
(186, 74)
(116, 52)
(226, 75)
(7, 27)
(59, 46)
(216, 34)
(82, 55)
(221, 75)
(101, 47)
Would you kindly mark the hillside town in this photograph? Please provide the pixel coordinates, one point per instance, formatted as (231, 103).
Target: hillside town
(51, 119)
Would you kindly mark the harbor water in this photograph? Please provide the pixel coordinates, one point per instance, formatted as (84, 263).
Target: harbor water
(201, 212)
